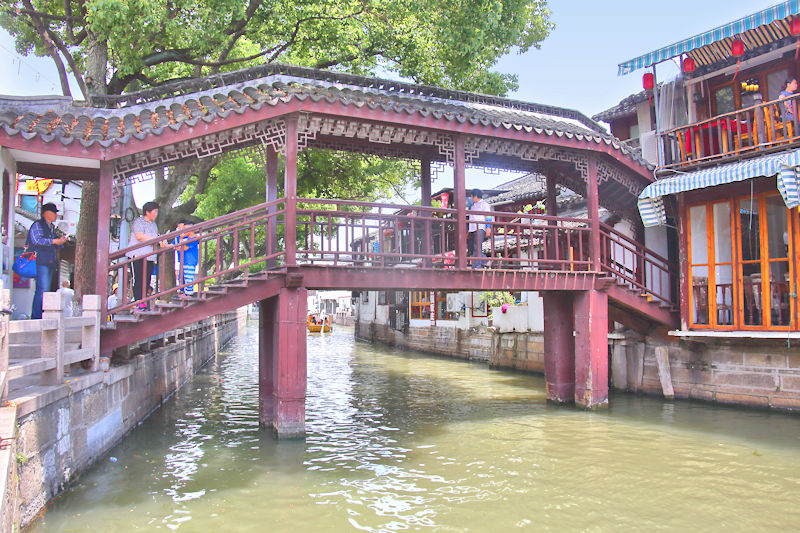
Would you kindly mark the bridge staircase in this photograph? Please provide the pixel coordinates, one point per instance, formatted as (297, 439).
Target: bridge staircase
(344, 244)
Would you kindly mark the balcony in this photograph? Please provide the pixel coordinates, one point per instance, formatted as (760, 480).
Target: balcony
(745, 133)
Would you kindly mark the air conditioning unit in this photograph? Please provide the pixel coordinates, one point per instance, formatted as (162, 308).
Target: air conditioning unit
(455, 302)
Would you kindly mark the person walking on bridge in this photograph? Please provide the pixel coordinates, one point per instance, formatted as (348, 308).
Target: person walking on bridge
(143, 229)
(43, 241)
(478, 228)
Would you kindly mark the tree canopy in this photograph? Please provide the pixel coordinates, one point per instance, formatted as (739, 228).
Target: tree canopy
(116, 46)
(144, 42)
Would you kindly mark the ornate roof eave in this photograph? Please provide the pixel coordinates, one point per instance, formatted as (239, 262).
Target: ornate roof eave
(187, 131)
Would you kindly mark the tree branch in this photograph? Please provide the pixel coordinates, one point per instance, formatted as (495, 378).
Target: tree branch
(48, 35)
(53, 53)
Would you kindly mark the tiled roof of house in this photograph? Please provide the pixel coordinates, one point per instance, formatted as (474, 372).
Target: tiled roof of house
(117, 119)
(626, 107)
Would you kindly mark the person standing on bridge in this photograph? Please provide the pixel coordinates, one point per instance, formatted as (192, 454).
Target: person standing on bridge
(42, 241)
(478, 229)
(187, 257)
(143, 229)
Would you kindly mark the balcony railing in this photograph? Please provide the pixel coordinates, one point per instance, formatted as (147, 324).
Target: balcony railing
(748, 132)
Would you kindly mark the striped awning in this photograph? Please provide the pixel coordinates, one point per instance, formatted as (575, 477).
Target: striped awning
(755, 30)
(785, 165)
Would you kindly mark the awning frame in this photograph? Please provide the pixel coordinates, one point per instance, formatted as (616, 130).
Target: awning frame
(784, 165)
(731, 29)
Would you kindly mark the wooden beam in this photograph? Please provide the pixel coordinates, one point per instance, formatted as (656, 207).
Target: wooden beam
(106, 178)
(593, 212)
(58, 172)
(272, 194)
(460, 193)
(290, 188)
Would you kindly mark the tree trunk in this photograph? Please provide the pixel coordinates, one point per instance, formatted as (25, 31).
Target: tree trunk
(86, 242)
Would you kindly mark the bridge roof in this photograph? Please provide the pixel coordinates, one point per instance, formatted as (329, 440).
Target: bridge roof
(109, 120)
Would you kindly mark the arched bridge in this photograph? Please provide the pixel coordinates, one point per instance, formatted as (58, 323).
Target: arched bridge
(588, 273)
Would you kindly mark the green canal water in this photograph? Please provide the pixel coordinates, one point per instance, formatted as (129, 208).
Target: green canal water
(406, 442)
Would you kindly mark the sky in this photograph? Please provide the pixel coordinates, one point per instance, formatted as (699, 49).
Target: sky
(576, 66)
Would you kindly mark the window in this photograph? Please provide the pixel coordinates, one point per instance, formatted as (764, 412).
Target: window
(421, 304)
(724, 101)
(740, 272)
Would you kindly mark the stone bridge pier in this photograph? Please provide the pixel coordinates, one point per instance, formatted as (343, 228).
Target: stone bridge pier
(576, 347)
(282, 362)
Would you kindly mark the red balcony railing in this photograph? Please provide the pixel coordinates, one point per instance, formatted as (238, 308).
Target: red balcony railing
(750, 131)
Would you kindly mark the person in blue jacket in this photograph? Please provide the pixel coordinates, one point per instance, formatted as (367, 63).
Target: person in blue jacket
(187, 257)
(43, 241)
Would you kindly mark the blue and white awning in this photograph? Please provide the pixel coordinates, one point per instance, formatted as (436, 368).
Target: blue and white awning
(784, 165)
(766, 16)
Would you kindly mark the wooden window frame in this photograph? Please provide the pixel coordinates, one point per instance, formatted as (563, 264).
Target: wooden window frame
(418, 300)
(792, 259)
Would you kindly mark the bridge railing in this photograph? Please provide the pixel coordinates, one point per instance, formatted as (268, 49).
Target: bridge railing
(339, 233)
(636, 266)
(230, 247)
(534, 241)
(351, 233)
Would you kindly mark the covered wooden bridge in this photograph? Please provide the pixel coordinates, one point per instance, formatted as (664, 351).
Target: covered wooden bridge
(271, 253)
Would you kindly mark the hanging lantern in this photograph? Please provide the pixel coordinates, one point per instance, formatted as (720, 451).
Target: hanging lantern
(648, 81)
(688, 65)
(737, 51)
(794, 28)
(737, 47)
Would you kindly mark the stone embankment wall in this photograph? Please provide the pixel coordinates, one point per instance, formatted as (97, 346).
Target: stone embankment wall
(754, 373)
(516, 350)
(63, 436)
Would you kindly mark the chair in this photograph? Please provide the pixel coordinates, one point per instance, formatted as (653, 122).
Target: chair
(751, 136)
(700, 297)
(774, 124)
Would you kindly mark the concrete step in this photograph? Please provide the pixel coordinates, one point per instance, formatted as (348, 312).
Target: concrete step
(27, 367)
(127, 318)
(170, 305)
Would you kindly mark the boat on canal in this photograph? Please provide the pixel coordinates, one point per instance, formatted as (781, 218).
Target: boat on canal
(319, 323)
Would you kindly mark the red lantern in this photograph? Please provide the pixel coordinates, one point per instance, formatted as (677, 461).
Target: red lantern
(794, 27)
(648, 81)
(688, 65)
(737, 51)
(737, 47)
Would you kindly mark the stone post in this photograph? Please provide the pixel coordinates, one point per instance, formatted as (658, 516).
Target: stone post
(5, 296)
(53, 338)
(90, 337)
(591, 348)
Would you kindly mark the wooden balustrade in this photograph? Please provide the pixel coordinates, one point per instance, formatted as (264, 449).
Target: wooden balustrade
(230, 246)
(639, 268)
(743, 133)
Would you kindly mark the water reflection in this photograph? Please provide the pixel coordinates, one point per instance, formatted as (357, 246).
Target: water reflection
(399, 441)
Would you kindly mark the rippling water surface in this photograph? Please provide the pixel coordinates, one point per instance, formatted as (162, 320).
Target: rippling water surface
(400, 441)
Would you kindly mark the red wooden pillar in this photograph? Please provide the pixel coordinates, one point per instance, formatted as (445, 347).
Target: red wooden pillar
(282, 362)
(559, 347)
(551, 205)
(272, 194)
(425, 201)
(103, 234)
(267, 348)
(290, 188)
(460, 193)
(425, 181)
(593, 209)
(591, 348)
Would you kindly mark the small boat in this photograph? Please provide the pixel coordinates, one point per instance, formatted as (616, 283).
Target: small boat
(319, 323)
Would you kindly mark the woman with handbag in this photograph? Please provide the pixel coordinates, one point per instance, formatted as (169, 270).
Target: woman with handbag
(43, 242)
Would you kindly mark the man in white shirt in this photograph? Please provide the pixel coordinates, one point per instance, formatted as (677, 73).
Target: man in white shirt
(478, 229)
